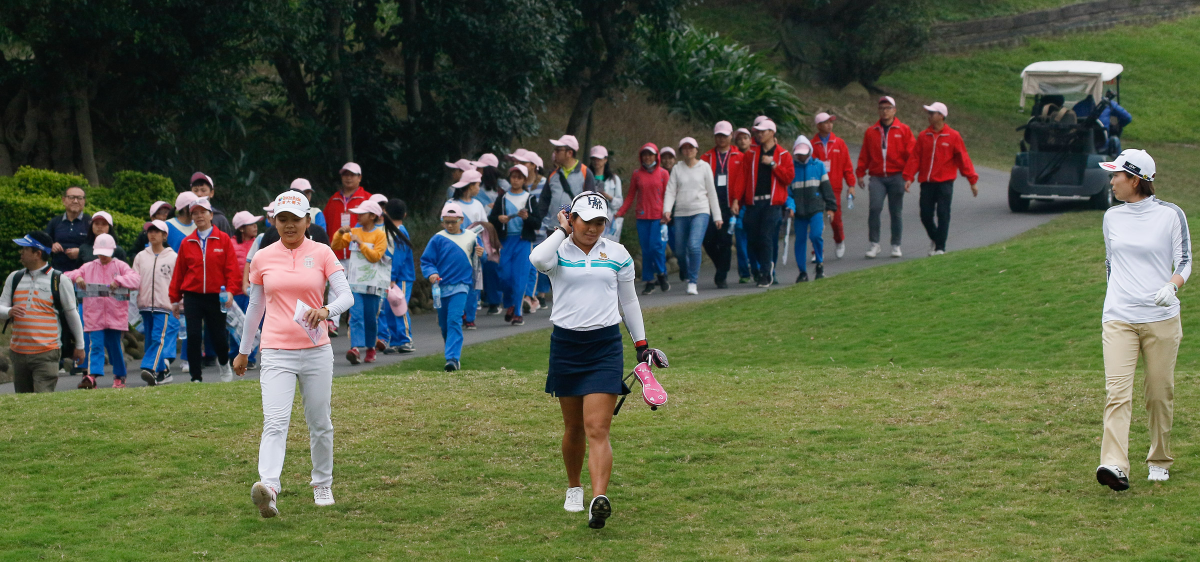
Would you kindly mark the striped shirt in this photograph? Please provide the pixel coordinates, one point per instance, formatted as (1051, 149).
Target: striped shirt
(38, 331)
(585, 285)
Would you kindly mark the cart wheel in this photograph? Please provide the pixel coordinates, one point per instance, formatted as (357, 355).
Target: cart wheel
(1016, 203)
(1103, 200)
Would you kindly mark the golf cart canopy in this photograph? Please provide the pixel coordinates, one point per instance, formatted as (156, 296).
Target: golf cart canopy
(1073, 78)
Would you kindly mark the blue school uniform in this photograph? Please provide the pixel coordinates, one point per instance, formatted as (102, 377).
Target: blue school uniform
(397, 330)
(452, 257)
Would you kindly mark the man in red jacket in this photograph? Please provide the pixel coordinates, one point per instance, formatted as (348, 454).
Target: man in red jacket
(939, 156)
(885, 151)
(725, 161)
(832, 150)
(649, 185)
(766, 172)
(206, 262)
(338, 215)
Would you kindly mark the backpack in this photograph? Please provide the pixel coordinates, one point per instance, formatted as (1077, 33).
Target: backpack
(68, 337)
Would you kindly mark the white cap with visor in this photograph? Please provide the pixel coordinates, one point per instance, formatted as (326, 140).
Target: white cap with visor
(590, 205)
(292, 202)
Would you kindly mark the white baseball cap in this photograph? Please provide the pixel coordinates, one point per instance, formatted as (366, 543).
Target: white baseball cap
(158, 225)
(823, 117)
(765, 125)
(599, 152)
(1134, 161)
(301, 184)
(203, 203)
(291, 202)
(184, 200)
(103, 215)
(743, 131)
(937, 107)
(666, 150)
(104, 245)
(888, 99)
(590, 205)
(368, 207)
(568, 141)
(469, 177)
(379, 198)
(686, 141)
(760, 119)
(243, 218)
(723, 128)
(352, 168)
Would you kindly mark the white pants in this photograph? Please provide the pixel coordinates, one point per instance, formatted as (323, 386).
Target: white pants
(281, 369)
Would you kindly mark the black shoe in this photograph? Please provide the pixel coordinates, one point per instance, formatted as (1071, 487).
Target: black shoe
(541, 302)
(210, 362)
(493, 309)
(764, 282)
(149, 377)
(508, 315)
(722, 285)
(663, 283)
(599, 511)
(803, 277)
(649, 289)
(820, 271)
(1112, 477)
(406, 348)
(452, 365)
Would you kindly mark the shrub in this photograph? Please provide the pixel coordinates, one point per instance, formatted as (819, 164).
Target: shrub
(46, 182)
(132, 193)
(709, 79)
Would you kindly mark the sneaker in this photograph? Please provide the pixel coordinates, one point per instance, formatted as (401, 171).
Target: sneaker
(1112, 476)
(813, 258)
(406, 348)
(932, 248)
(896, 253)
(194, 379)
(541, 302)
(574, 502)
(663, 283)
(840, 250)
(119, 382)
(88, 382)
(874, 251)
(940, 253)
(380, 345)
(599, 510)
(323, 495)
(332, 328)
(803, 277)
(167, 378)
(149, 376)
(820, 271)
(722, 285)
(391, 350)
(649, 289)
(508, 314)
(452, 365)
(764, 283)
(493, 309)
(353, 356)
(263, 496)
(469, 326)
(533, 303)
(1158, 474)
(743, 280)
(370, 356)
(226, 372)
(518, 321)
(691, 290)
(251, 366)
(186, 368)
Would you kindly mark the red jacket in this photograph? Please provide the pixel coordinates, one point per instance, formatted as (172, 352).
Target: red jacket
(733, 175)
(204, 271)
(942, 164)
(836, 156)
(337, 214)
(652, 186)
(781, 176)
(871, 157)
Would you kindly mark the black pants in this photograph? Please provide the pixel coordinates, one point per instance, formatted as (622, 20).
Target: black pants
(202, 311)
(762, 233)
(718, 244)
(935, 198)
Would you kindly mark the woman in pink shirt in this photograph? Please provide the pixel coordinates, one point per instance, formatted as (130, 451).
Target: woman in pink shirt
(287, 285)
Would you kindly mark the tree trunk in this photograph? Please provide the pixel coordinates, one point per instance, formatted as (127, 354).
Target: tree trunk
(62, 138)
(83, 124)
(586, 147)
(292, 77)
(412, 84)
(600, 78)
(339, 81)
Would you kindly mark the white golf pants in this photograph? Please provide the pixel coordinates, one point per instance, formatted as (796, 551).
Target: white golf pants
(281, 369)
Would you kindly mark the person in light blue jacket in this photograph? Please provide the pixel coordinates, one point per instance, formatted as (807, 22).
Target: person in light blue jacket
(449, 263)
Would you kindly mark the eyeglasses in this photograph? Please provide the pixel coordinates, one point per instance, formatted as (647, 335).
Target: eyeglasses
(74, 197)
(450, 221)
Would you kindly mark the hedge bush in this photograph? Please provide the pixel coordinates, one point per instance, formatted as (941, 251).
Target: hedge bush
(45, 182)
(132, 193)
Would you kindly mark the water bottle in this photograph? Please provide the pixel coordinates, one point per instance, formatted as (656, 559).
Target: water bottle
(224, 298)
(476, 228)
(182, 329)
(665, 235)
(850, 202)
(437, 295)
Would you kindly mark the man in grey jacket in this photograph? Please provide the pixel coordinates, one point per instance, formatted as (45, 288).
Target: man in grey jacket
(570, 178)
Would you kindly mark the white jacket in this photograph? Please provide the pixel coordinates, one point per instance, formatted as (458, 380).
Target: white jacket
(692, 191)
(1145, 244)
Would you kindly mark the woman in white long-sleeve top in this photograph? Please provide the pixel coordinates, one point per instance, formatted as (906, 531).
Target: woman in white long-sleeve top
(593, 281)
(691, 199)
(1149, 258)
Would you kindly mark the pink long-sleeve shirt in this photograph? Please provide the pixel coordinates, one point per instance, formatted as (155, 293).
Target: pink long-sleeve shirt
(106, 313)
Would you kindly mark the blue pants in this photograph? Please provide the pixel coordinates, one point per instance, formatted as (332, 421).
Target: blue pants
(514, 271)
(396, 330)
(814, 228)
(160, 340)
(364, 320)
(746, 264)
(680, 259)
(450, 320)
(654, 251)
(102, 340)
(689, 238)
(492, 283)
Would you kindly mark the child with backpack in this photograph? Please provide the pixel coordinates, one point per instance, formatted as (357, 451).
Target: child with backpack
(516, 220)
(449, 263)
(155, 265)
(395, 332)
(369, 274)
(105, 318)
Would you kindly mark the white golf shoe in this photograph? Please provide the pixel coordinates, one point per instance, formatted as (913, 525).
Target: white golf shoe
(840, 250)
(692, 290)
(226, 372)
(323, 495)
(1158, 474)
(263, 496)
(874, 251)
(896, 252)
(574, 502)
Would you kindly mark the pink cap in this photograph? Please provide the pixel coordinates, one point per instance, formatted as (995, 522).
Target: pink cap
(379, 198)
(534, 158)
(104, 245)
(198, 176)
(243, 218)
(452, 209)
(760, 119)
(368, 207)
(568, 141)
(519, 155)
(667, 150)
(352, 168)
(301, 184)
(203, 203)
(184, 200)
(744, 131)
(487, 160)
(688, 141)
(938, 107)
(888, 99)
(723, 128)
(270, 208)
(158, 225)
(158, 205)
(103, 215)
(765, 125)
(520, 168)
(599, 152)
(468, 178)
(461, 164)
(649, 147)
(802, 148)
(823, 117)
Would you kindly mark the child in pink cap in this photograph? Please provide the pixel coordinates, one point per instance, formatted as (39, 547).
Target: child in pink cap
(369, 274)
(105, 313)
(449, 263)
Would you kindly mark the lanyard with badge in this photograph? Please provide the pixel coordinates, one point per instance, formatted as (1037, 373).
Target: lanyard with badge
(723, 167)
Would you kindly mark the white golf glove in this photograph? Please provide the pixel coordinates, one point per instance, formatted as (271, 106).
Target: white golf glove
(1166, 295)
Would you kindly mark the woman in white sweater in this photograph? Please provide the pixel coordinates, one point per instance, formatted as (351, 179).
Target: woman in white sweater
(1148, 255)
(691, 197)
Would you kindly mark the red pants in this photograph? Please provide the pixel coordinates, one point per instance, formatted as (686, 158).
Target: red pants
(838, 234)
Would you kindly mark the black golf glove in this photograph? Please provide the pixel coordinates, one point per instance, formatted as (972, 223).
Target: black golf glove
(652, 357)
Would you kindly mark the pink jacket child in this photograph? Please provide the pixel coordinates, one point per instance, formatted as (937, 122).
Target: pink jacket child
(105, 313)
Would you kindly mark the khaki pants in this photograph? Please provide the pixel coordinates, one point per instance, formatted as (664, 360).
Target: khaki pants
(1158, 343)
(35, 373)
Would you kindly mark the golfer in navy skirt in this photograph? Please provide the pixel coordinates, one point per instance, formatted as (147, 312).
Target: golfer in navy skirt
(593, 282)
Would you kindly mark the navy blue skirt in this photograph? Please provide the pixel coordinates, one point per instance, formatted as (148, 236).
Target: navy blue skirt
(582, 363)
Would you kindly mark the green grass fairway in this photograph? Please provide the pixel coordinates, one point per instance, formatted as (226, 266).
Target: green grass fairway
(811, 463)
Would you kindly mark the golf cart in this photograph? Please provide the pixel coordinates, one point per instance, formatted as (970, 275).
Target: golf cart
(1061, 150)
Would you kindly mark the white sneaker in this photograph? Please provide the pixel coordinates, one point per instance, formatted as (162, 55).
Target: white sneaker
(323, 495)
(186, 368)
(940, 253)
(226, 372)
(813, 259)
(692, 289)
(932, 248)
(896, 252)
(840, 250)
(1158, 474)
(574, 502)
(874, 251)
(263, 496)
